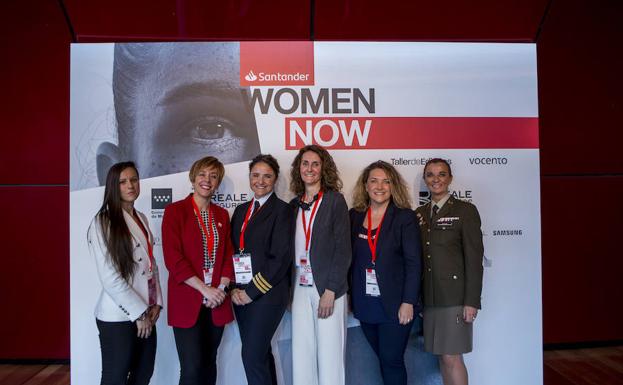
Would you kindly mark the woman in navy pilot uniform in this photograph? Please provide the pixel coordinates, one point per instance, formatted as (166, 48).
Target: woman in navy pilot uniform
(452, 276)
(262, 237)
(386, 268)
(131, 298)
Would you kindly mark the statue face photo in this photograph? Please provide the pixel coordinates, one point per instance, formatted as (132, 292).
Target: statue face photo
(176, 103)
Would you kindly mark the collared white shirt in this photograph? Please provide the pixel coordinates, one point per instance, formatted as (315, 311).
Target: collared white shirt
(439, 204)
(299, 234)
(261, 201)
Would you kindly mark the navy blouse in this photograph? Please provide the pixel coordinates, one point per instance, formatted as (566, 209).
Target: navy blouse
(366, 308)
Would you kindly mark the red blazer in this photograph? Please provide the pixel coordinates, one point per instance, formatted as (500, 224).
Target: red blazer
(183, 257)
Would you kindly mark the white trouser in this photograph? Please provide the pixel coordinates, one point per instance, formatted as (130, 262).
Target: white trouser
(318, 345)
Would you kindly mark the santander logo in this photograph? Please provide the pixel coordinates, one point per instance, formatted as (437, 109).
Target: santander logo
(277, 63)
(250, 77)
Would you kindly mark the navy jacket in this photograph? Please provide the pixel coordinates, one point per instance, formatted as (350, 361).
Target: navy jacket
(398, 257)
(269, 238)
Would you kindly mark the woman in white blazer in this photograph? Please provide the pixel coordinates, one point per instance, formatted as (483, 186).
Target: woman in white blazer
(131, 298)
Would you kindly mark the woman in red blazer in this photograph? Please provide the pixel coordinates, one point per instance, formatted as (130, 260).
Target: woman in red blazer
(197, 248)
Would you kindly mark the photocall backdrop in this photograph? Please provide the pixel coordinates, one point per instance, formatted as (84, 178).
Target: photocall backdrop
(164, 105)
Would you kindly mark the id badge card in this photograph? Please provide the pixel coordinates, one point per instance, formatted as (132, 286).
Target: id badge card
(372, 286)
(306, 278)
(243, 268)
(151, 289)
(207, 276)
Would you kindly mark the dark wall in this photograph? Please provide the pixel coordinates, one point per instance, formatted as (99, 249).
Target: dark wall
(34, 193)
(581, 106)
(579, 60)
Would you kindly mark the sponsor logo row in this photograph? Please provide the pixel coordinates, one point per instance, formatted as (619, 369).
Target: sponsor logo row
(161, 197)
(472, 160)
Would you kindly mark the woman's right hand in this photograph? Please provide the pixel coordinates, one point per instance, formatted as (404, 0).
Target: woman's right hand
(235, 296)
(143, 327)
(214, 296)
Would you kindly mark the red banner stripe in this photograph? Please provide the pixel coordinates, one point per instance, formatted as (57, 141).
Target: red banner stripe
(412, 132)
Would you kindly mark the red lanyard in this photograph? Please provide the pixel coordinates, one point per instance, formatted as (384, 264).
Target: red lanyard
(208, 234)
(307, 230)
(372, 243)
(150, 248)
(244, 224)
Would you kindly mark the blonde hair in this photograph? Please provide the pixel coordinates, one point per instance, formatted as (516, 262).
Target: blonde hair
(207, 162)
(397, 187)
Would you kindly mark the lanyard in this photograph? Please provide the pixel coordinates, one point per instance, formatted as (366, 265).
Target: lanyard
(372, 243)
(307, 230)
(244, 224)
(150, 247)
(209, 235)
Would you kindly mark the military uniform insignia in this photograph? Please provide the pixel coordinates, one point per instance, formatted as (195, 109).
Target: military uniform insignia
(420, 219)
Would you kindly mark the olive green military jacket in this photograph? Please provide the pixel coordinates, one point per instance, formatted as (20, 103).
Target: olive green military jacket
(452, 254)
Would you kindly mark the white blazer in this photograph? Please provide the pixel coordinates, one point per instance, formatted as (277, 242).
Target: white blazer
(120, 300)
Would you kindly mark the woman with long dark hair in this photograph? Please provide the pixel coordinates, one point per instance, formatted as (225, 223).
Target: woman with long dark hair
(386, 268)
(196, 242)
(130, 302)
(322, 257)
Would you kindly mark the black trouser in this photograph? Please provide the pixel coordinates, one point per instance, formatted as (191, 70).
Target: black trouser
(257, 323)
(389, 342)
(126, 358)
(196, 348)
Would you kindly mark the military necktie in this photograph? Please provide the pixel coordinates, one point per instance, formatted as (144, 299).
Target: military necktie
(256, 208)
(435, 209)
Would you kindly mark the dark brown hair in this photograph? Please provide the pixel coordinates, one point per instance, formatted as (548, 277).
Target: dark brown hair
(269, 160)
(115, 231)
(436, 160)
(330, 179)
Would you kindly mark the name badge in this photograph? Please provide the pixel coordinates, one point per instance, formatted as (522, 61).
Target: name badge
(151, 289)
(372, 286)
(207, 276)
(242, 268)
(306, 278)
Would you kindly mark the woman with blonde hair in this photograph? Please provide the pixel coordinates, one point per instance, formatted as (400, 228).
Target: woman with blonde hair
(196, 242)
(386, 267)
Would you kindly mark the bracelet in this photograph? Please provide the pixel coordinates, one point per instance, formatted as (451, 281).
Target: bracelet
(222, 287)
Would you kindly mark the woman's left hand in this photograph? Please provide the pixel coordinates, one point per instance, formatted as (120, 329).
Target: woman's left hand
(154, 313)
(325, 306)
(469, 313)
(405, 313)
(143, 327)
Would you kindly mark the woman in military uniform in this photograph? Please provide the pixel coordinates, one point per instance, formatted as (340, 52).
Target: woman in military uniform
(452, 272)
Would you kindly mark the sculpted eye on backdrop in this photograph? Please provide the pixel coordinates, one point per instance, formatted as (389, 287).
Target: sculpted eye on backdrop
(165, 105)
(174, 103)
